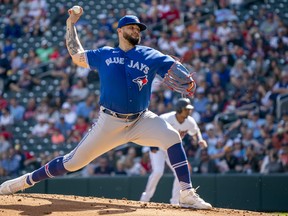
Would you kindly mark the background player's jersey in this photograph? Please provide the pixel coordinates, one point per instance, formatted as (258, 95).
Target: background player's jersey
(127, 76)
(188, 126)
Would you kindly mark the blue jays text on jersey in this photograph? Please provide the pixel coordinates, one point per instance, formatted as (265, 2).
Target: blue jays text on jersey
(126, 77)
(117, 60)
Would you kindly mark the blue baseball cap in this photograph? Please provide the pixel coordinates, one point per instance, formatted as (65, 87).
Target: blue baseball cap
(130, 20)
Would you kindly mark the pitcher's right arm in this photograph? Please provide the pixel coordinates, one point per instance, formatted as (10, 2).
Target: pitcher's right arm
(73, 44)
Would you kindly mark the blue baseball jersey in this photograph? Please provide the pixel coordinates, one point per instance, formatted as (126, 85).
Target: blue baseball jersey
(126, 77)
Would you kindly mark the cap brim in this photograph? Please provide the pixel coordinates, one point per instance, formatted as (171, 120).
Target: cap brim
(189, 106)
(141, 25)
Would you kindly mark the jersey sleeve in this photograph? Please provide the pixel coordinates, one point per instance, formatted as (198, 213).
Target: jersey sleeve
(193, 128)
(163, 62)
(93, 58)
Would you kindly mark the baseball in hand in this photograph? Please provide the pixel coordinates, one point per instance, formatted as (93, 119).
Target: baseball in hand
(76, 9)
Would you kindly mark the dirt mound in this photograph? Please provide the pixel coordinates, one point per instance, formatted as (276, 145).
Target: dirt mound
(50, 204)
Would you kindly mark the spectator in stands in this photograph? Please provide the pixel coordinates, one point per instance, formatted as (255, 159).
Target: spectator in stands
(64, 127)
(81, 125)
(163, 7)
(69, 115)
(60, 66)
(269, 127)
(271, 163)
(102, 38)
(132, 163)
(172, 14)
(152, 11)
(6, 117)
(206, 164)
(5, 67)
(145, 159)
(279, 137)
(208, 115)
(79, 91)
(217, 152)
(64, 90)
(44, 51)
(4, 144)
(42, 110)
(55, 55)
(85, 108)
(210, 136)
(12, 29)
(74, 137)
(30, 110)
(33, 59)
(163, 42)
(3, 102)
(57, 138)
(215, 87)
(120, 167)
(16, 109)
(239, 150)
(251, 161)
(16, 61)
(103, 168)
(8, 46)
(231, 160)
(41, 128)
(104, 24)
(255, 123)
(200, 101)
(269, 25)
(28, 161)
(223, 32)
(26, 82)
(60, 17)
(36, 31)
(6, 132)
(11, 162)
(248, 140)
(26, 18)
(280, 87)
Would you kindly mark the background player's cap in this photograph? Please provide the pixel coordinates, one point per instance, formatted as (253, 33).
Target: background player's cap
(183, 103)
(129, 20)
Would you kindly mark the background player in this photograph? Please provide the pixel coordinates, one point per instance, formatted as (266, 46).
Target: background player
(183, 123)
(126, 73)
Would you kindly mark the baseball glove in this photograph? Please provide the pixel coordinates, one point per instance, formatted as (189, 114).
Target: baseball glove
(179, 79)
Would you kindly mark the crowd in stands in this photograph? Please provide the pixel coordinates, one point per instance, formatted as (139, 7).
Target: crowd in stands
(239, 60)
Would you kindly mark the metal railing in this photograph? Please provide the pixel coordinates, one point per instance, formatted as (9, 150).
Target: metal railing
(281, 105)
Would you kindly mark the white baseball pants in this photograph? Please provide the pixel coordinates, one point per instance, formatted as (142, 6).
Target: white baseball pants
(109, 132)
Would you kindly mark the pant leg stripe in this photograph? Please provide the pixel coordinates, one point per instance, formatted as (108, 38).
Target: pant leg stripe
(47, 171)
(71, 154)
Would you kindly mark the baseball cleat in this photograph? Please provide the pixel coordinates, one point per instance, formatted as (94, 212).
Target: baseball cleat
(14, 185)
(190, 199)
(144, 197)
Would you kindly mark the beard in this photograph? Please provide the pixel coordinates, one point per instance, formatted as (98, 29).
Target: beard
(131, 40)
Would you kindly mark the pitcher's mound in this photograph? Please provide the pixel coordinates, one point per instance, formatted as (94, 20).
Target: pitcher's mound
(50, 204)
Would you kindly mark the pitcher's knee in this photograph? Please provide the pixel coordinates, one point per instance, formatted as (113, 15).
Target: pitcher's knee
(71, 165)
(173, 139)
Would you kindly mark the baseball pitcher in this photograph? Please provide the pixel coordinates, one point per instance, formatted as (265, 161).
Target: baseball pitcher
(126, 73)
